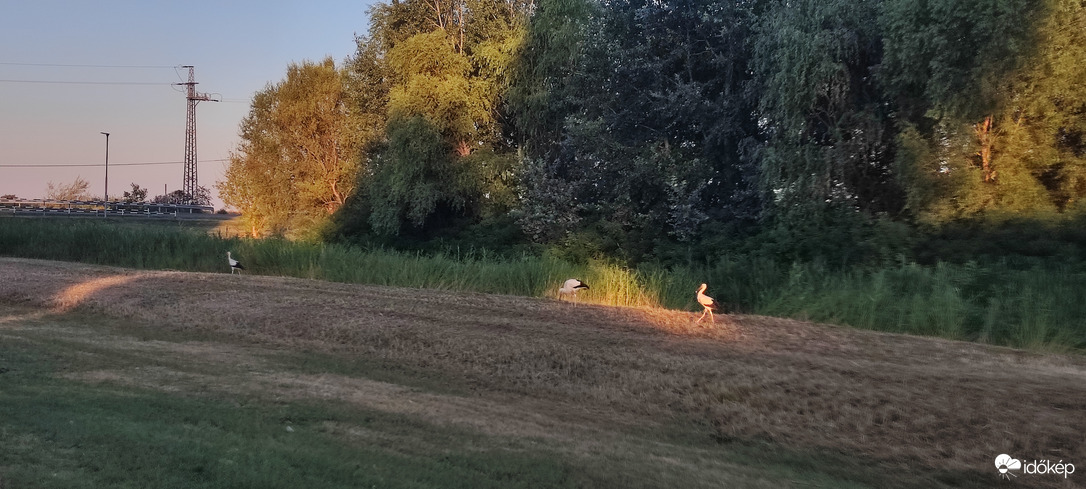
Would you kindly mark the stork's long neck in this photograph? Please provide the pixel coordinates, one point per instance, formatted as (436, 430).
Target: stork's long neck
(702, 288)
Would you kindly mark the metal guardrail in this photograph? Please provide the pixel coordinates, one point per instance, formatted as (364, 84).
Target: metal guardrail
(84, 207)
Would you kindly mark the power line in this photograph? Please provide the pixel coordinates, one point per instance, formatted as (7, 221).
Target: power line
(73, 165)
(84, 66)
(84, 82)
(73, 82)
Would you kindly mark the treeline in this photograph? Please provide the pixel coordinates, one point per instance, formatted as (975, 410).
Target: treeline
(679, 131)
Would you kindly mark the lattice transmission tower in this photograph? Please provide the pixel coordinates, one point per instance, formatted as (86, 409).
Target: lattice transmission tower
(191, 181)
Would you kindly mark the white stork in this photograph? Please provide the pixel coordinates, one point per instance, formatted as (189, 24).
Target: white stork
(571, 287)
(707, 302)
(234, 264)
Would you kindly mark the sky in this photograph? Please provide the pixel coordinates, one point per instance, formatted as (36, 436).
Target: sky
(72, 69)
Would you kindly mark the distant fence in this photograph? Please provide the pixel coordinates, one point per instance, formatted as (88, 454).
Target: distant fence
(100, 208)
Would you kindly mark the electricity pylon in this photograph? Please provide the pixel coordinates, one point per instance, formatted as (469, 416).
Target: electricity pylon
(191, 181)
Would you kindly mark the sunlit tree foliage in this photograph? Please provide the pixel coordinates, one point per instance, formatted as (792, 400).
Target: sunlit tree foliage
(439, 67)
(992, 105)
(297, 161)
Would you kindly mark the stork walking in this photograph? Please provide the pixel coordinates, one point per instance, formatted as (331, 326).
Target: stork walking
(571, 287)
(707, 302)
(234, 264)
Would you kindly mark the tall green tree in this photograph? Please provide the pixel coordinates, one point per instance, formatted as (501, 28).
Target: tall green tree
(433, 80)
(990, 105)
(440, 65)
(453, 69)
(541, 90)
(256, 182)
(297, 161)
(829, 142)
(414, 178)
(633, 114)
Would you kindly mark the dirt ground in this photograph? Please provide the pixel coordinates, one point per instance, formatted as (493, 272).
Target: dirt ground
(584, 376)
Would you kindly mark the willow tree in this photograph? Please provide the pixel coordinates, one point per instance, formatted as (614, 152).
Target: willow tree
(297, 160)
(829, 143)
(432, 79)
(541, 94)
(453, 68)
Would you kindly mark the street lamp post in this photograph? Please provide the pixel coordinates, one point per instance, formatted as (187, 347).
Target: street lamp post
(105, 207)
(107, 169)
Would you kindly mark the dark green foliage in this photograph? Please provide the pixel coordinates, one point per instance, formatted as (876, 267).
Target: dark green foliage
(493, 177)
(952, 58)
(634, 128)
(413, 178)
(138, 194)
(839, 132)
(829, 142)
(1021, 243)
(542, 92)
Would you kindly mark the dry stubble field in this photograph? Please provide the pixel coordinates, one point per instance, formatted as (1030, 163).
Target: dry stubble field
(628, 397)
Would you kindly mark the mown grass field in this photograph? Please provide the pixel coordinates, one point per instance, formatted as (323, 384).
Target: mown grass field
(115, 377)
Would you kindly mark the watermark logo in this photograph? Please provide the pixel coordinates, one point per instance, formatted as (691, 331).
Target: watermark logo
(1005, 463)
(1008, 465)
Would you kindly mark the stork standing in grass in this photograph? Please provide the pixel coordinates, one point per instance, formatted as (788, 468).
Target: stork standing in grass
(234, 264)
(707, 302)
(571, 287)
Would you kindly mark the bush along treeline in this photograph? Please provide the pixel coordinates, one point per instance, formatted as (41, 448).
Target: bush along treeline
(848, 137)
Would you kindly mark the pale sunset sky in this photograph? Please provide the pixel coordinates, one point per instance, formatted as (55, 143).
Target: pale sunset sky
(70, 70)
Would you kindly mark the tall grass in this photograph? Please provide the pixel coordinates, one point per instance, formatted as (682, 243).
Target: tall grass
(1039, 307)
(173, 247)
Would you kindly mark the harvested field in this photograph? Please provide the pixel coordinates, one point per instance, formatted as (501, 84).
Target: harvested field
(757, 401)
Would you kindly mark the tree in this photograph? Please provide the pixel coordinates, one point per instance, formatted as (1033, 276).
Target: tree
(137, 194)
(454, 66)
(367, 80)
(298, 159)
(77, 190)
(412, 178)
(258, 183)
(426, 68)
(178, 197)
(432, 80)
(828, 138)
(990, 127)
(202, 196)
(637, 112)
(541, 93)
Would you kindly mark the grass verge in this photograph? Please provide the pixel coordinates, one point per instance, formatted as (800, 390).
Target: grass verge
(65, 424)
